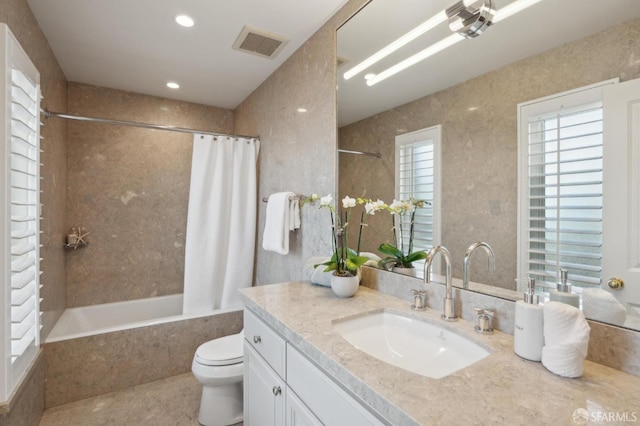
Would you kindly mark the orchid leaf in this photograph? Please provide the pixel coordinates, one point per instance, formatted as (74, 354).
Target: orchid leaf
(391, 251)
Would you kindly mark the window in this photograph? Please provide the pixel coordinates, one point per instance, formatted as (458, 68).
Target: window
(418, 177)
(19, 214)
(560, 187)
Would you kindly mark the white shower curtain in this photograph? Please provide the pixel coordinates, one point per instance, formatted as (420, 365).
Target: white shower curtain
(221, 222)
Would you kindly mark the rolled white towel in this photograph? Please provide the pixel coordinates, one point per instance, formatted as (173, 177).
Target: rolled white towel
(600, 305)
(317, 275)
(566, 339)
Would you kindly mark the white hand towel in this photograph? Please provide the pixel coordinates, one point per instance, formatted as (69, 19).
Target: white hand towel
(566, 339)
(294, 215)
(276, 228)
(600, 305)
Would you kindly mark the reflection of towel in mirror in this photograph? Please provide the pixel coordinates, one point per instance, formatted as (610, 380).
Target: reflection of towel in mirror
(566, 339)
(600, 305)
(319, 277)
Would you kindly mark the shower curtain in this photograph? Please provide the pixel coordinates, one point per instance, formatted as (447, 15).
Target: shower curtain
(221, 222)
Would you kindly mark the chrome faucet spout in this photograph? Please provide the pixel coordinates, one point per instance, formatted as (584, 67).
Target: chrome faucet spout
(449, 311)
(465, 262)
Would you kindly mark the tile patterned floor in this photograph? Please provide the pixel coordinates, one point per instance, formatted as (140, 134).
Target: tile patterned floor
(170, 402)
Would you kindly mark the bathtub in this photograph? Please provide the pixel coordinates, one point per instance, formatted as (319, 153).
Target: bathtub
(107, 317)
(99, 349)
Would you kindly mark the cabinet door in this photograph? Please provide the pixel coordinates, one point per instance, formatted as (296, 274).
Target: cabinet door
(297, 413)
(264, 392)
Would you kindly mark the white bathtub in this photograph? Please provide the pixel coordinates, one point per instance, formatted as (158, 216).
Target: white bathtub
(97, 319)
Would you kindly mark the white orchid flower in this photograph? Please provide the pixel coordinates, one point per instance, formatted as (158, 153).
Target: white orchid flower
(348, 202)
(396, 206)
(326, 201)
(373, 206)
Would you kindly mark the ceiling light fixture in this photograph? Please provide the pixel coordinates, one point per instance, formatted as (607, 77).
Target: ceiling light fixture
(173, 85)
(412, 60)
(497, 16)
(470, 18)
(397, 44)
(184, 20)
(512, 9)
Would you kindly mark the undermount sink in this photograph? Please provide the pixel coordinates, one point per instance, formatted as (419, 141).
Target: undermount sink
(411, 344)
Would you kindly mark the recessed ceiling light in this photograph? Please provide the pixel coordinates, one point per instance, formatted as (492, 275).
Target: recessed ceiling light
(302, 110)
(173, 85)
(185, 21)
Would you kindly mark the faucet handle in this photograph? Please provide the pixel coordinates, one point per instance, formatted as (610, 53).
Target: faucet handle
(485, 317)
(419, 300)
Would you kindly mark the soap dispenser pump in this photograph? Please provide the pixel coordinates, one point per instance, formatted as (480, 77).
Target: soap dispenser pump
(528, 337)
(563, 293)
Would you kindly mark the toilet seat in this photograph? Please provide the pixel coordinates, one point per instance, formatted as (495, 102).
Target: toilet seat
(222, 351)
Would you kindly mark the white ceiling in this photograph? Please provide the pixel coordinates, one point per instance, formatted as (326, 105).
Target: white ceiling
(543, 26)
(135, 45)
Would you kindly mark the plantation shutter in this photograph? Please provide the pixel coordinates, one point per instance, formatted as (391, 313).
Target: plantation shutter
(25, 202)
(416, 177)
(563, 218)
(20, 211)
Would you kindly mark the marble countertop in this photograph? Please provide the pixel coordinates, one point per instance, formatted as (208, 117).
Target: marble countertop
(499, 389)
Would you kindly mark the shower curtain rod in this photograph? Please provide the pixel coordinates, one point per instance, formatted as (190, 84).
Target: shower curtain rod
(49, 114)
(371, 154)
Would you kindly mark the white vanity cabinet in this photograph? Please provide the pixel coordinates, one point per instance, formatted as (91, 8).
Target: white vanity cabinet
(282, 387)
(264, 373)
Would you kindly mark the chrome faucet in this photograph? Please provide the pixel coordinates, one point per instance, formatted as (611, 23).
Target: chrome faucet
(449, 311)
(467, 256)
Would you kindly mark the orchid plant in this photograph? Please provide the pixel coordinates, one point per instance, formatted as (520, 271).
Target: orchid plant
(398, 255)
(346, 261)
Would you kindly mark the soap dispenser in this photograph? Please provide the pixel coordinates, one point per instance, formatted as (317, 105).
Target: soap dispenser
(563, 292)
(528, 337)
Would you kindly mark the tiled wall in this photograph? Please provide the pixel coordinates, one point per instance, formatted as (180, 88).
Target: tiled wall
(479, 173)
(130, 188)
(122, 359)
(298, 150)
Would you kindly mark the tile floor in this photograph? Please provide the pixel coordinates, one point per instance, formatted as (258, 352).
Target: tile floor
(174, 401)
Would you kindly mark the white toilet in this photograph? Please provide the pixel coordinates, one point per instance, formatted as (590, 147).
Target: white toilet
(218, 365)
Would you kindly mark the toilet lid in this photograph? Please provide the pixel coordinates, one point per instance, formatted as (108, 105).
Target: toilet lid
(222, 351)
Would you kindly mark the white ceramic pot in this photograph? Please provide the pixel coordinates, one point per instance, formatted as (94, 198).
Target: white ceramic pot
(405, 271)
(345, 286)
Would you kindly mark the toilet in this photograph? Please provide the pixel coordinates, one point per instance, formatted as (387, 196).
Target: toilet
(218, 365)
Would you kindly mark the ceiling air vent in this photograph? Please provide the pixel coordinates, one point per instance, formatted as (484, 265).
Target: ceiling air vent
(259, 42)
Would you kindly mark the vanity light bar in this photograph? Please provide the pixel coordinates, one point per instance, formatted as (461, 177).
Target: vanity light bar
(420, 56)
(397, 44)
(500, 15)
(512, 9)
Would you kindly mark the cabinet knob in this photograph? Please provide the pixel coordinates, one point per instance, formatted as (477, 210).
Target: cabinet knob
(276, 390)
(257, 339)
(615, 283)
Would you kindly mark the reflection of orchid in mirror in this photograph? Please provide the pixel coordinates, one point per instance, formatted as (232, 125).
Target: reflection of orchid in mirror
(401, 212)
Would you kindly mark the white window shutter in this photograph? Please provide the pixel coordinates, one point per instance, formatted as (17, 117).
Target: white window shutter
(20, 214)
(561, 188)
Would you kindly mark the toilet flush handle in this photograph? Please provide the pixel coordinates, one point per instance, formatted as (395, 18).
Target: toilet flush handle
(257, 339)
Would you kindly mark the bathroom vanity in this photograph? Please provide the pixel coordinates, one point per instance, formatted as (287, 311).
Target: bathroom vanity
(299, 370)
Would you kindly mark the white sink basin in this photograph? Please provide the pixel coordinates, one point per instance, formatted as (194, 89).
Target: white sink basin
(417, 346)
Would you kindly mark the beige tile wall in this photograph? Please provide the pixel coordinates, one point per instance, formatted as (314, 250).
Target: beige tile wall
(298, 150)
(479, 174)
(89, 366)
(130, 188)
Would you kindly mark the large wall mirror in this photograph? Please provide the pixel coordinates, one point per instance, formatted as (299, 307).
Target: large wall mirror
(471, 87)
